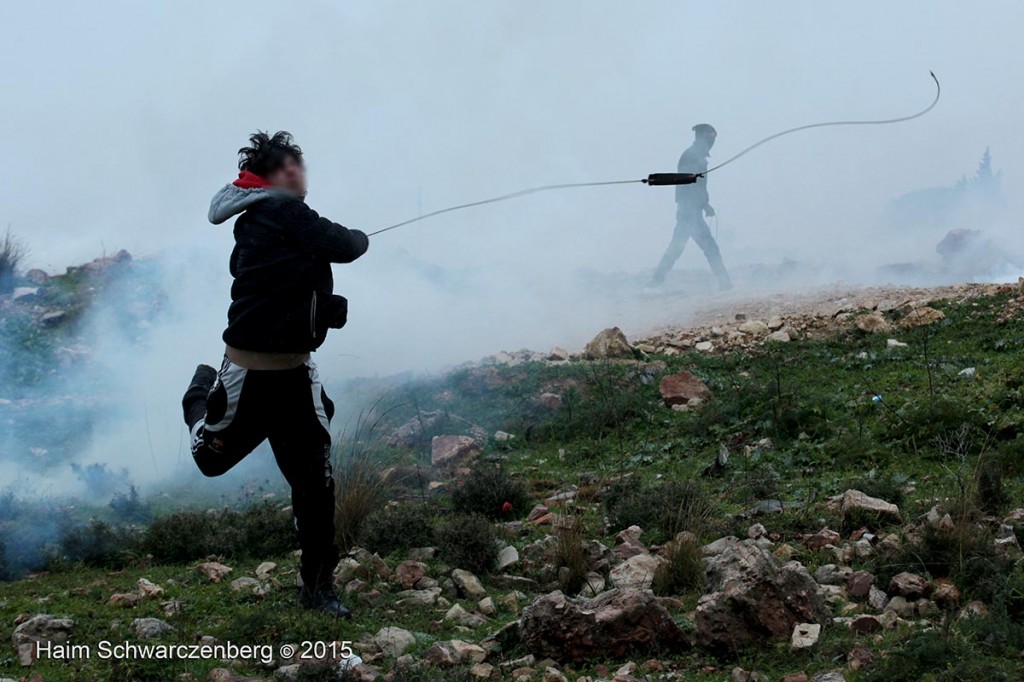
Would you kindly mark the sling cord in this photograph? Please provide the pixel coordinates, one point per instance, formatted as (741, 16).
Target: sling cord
(548, 188)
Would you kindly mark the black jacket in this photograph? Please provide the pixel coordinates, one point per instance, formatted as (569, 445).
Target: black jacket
(282, 299)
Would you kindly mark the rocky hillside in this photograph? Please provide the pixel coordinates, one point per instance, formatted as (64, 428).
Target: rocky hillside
(796, 490)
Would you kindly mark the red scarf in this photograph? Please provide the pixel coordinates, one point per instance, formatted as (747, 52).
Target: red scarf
(247, 180)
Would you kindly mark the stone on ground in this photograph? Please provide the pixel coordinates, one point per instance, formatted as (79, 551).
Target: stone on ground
(393, 641)
(610, 343)
(450, 452)
(680, 389)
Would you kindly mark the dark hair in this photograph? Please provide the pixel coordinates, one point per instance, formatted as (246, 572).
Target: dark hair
(265, 154)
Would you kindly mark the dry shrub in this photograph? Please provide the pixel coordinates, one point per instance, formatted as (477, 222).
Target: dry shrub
(683, 570)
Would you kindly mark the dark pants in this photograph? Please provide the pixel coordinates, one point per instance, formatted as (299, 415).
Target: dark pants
(690, 224)
(291, 408)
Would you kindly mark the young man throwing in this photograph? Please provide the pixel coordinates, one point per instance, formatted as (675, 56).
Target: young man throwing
(282, 304)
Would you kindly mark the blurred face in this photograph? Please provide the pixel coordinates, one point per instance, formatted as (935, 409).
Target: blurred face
(291, 176)
(708, 139)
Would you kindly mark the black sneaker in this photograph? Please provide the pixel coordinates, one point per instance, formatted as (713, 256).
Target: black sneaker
(194, 401)
(324, 599)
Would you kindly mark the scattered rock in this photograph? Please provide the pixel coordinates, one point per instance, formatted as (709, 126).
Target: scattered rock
(482, 671)
(834, 676)
(805, 635)
(37, 276)
(946, 593)
(245, 583)
(636, 571)
(610, 343)
(859, 584)
(214, 571)
(150, 628)
(453, 652)
(680, 389)
(612, 625)
(393, 641)
(468, 584)
(40, 628)
(822, 539)
(909, 585)
(426, 597)
(901, 607)
(265, 569)
(877, 598)
(832, 574)
(859, 657)
(507, 557)
(149, 589)
(460, 616)
(558, 355)
(919, 317)
(875, 323)
(754, 328)
(125, 600)
(856, 501)
(450, 452)
(865, 625)
(52, 318)
(408, 573)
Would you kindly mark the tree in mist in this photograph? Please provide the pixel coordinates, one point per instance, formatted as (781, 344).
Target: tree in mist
(12, 252)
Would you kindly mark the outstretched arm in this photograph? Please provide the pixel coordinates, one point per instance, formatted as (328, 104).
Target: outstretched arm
(326, 239)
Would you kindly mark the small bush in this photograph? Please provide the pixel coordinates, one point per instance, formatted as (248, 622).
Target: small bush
(760, 482)
(571, 558)
(97, 544)
(360, 492)
(399, 528)
(468, 542)
(486, 490)
(934, 655)
(662, 509)
(129, 507)
(966, 554)
(12, 252)
(989, 495)
(683, 570)
(259, 531)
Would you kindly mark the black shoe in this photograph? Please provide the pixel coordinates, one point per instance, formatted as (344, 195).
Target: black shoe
(324, 599)
(194, 401)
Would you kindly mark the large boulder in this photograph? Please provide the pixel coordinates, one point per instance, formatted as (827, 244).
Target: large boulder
(680, 389)
(40, 628)
(610, 343)
(750, 597)
(448, 452)
(614, 624)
